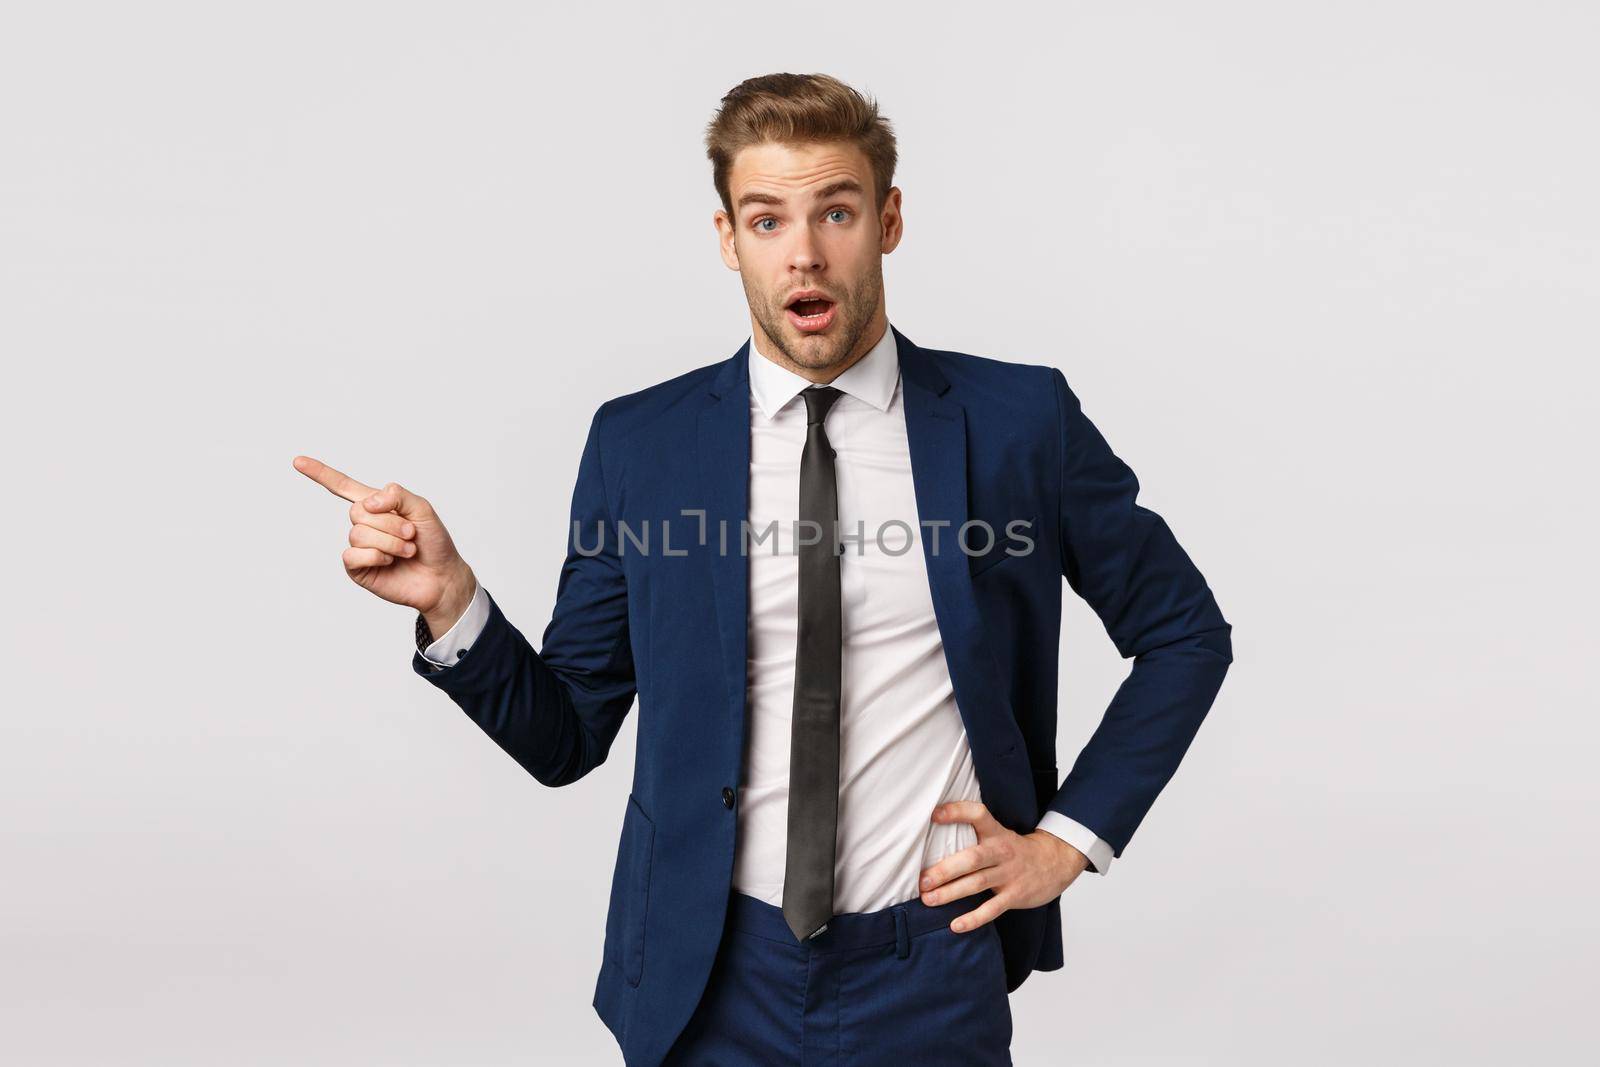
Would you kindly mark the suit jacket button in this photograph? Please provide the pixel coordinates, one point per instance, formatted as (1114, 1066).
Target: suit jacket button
(727, 797)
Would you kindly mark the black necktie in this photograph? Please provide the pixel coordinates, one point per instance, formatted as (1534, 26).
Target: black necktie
(814, 733)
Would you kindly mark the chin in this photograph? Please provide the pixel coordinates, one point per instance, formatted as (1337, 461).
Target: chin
(816, 352)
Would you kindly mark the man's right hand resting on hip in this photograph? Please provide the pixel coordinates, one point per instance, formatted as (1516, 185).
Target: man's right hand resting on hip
(399, 550)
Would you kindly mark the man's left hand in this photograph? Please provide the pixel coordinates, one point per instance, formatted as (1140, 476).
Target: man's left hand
(1023, 870)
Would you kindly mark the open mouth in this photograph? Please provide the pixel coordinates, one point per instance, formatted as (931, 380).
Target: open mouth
(811, 313)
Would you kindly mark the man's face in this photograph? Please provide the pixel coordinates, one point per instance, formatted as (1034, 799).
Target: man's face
(805, 225)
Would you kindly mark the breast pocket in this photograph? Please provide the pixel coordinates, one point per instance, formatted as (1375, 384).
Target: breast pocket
(1012, 537)
(630, 893)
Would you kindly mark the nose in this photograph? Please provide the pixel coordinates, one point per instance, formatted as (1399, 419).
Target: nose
(806, 255)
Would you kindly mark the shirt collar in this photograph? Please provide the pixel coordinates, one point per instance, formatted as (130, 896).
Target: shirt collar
(871, 378)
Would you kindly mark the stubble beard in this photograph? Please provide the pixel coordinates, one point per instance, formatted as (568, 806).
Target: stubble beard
(821, 351)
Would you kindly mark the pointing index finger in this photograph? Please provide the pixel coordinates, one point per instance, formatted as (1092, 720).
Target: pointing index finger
(335, 482)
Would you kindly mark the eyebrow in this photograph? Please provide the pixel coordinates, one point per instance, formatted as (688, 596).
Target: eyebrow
(843, 185)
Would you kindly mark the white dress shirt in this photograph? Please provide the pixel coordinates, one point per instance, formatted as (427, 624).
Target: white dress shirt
(903, 746)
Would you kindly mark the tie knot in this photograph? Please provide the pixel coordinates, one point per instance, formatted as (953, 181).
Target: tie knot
(819, 398)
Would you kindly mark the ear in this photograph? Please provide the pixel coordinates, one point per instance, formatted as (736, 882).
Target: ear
(890, 222)
(730, 254)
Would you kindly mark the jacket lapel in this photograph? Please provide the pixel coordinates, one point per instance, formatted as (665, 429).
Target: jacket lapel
(723, 438)
(936, 428)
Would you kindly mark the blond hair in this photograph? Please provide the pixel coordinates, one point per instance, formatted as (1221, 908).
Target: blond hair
(798, 109)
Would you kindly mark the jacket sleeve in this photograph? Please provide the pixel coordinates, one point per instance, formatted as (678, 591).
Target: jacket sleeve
(557, 711)
(1157, 609)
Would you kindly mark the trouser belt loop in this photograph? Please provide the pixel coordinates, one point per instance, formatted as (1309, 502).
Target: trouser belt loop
(902, 937)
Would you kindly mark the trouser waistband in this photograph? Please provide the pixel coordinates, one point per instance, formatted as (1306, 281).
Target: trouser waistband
(895, 924)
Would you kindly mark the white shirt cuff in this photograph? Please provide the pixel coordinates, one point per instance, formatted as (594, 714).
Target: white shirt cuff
(1079, 837)
(447, 649)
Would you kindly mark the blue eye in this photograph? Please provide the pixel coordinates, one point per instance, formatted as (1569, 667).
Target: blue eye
(839, 211)
(758, 222)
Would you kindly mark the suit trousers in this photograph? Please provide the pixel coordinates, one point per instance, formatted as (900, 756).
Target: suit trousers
(894, 986)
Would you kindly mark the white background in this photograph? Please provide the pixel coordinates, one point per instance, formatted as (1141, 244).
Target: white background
(1325, 275)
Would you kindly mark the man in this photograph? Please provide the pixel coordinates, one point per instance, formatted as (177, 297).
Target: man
(829, 567)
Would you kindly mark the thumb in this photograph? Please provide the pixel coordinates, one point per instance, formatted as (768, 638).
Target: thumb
(396, 497)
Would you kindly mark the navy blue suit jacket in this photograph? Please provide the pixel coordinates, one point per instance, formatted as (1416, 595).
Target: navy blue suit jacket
(989, 440)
